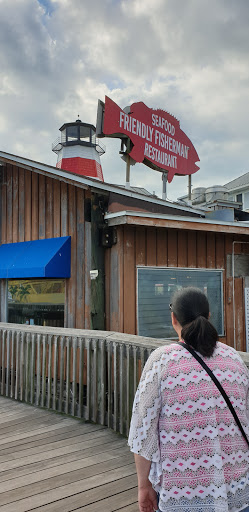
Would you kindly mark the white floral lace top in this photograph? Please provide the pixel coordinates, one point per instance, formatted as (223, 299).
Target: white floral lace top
(181, 423)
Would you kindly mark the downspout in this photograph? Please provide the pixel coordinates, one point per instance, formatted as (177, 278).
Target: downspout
(233, 272)
(234, 341)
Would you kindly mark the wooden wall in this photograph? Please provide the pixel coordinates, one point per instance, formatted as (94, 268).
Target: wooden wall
(150, 246)
(33, 207)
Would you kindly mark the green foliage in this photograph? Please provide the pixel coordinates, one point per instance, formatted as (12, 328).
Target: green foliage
(19, 292)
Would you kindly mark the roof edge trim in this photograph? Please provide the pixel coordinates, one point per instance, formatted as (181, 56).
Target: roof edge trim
(85, 182)
(177, 218)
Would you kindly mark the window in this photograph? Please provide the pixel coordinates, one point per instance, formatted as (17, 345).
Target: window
(155, 288)
(63, 135)
(239, 198)
(246, 201)
(72, 133)
(93, 136)
(85, 134)
(36, 302)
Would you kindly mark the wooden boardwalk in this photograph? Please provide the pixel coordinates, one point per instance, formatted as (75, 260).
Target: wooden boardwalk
(50, 462)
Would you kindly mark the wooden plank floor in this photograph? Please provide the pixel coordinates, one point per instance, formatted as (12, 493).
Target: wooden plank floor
(49, 462)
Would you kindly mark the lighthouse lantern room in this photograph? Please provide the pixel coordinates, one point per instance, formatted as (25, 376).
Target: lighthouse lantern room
(78, 150)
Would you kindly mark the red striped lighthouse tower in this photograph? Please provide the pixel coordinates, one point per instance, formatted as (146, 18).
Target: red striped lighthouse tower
(78, 150)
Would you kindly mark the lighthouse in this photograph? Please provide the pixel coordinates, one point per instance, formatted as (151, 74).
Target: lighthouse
(78, 151)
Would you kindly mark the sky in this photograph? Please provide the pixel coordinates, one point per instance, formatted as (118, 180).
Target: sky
(188, 57)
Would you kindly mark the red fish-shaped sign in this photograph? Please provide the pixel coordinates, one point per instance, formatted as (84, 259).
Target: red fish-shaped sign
(157, 138)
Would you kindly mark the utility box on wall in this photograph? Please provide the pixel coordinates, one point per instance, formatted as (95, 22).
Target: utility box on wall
(241, 265)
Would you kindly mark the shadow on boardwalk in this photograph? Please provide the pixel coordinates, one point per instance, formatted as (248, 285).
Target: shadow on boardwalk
(50, 462)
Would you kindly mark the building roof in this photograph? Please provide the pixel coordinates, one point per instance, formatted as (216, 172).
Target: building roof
(140, 190)
(240, 182)
(94, 184)
(178, 222)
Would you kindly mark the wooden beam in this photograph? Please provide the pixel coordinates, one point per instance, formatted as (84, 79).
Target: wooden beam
(178, 224)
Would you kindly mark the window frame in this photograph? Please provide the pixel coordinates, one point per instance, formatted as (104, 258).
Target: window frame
(181, 269)
(30, 280)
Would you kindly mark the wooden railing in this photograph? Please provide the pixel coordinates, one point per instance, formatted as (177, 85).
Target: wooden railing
(87, 374)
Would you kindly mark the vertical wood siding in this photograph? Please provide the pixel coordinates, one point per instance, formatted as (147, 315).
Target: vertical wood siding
(168, 248)
(130, 280)
(114, 277)
(36, 207)
(80, 288)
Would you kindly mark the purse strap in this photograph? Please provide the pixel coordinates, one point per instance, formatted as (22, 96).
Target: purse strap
(217, 383)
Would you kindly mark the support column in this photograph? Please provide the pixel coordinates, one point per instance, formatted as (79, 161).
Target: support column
(164, 191)
(128, 171)
(189, 187)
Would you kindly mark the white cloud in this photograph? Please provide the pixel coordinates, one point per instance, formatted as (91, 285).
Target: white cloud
(190, 58)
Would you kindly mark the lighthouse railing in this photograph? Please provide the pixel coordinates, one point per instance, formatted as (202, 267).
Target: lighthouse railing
(57, 145)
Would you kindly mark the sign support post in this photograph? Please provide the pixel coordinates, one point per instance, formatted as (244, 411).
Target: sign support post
(189, 187)
(128, 168)
(164, 178)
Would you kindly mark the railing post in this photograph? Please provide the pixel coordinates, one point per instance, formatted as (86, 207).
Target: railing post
(109, 384)
(8, 364)
(38, 370)
(49, 376)
(32, 368)
(55, 371)
(44, 376)
(74, 348)
(4, 333)
(67, 390)
(12, 370)
(115, 387)
(88, 380)
(94, 406)
(22, 366)
(102, 376)
(128, 386)
(27, 343)
(18, 337)
(81, 376)
(62, 378)
(121, 389)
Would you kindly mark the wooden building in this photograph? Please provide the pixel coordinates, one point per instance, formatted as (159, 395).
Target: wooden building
(41, 202)
(176, 244)
(120, 239)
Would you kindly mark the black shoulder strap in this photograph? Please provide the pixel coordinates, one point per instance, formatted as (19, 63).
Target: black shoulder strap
(220, 388)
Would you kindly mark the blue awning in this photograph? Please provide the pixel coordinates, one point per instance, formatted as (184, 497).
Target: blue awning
(49, 258)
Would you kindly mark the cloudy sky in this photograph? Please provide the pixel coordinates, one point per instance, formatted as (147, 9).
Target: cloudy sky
(188, 57)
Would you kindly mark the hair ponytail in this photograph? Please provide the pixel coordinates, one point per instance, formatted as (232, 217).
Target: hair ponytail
(201, 335)
(191, 308)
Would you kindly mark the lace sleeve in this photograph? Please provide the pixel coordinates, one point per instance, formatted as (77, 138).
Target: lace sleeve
(247, 403)
(143, 436)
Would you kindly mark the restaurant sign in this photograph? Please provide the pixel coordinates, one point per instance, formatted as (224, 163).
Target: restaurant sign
(156, 137)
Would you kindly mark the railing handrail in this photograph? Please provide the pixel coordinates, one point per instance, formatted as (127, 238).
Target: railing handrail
(123, 338)
(131, 339)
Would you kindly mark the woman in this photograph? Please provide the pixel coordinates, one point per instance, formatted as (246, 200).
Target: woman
(189, 452)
